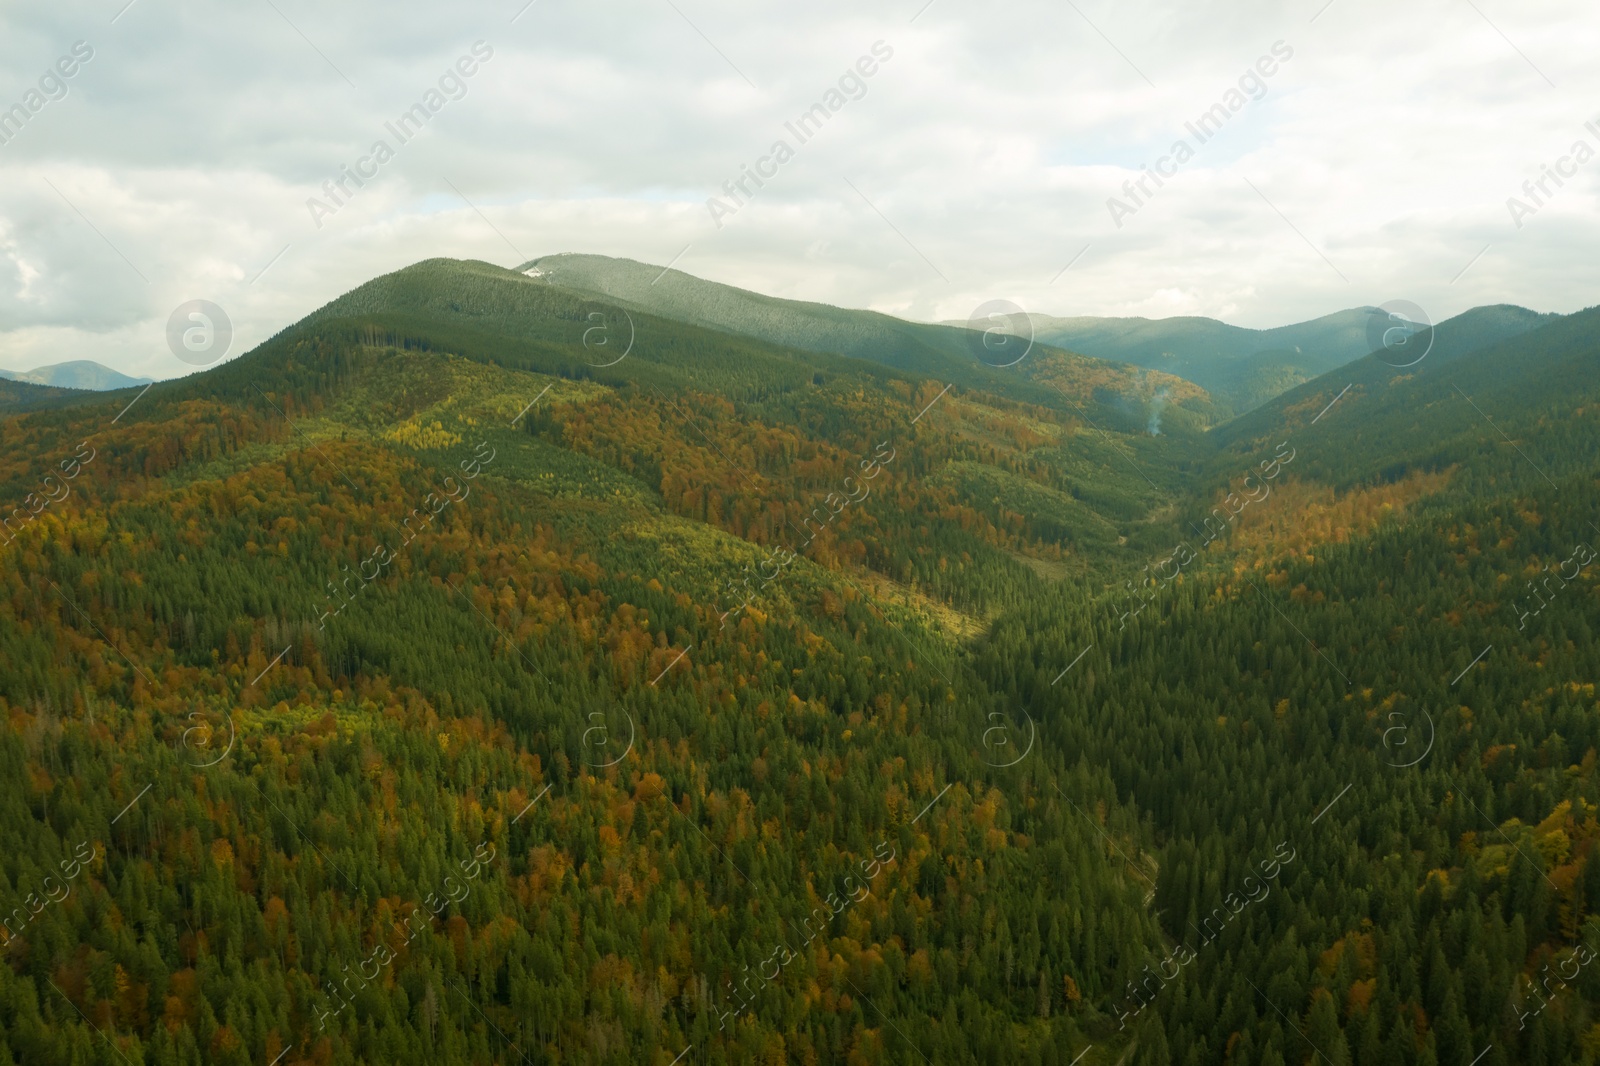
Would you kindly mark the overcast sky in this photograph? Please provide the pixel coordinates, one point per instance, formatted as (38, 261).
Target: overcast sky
(976, 163)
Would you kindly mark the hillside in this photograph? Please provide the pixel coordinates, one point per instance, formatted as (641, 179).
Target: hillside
(948, 352)
(1238, 368)
(1473, 355)
(326, 619)
(480, 670)
(1244, 368)
(18, 396)
(1373, 642)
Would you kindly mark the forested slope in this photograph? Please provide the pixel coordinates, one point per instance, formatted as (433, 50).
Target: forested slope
(420, 692)
(433, 685)
(1379, 652)
(1244, 368)
(1010, 360)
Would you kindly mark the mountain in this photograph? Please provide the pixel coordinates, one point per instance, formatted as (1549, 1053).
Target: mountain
(807, 326)
(1482, 352)
(482, 670)
(431, 626)
(1240, 368)
(78, 374)
(1243, 368)
(1095, 415)
(950, 352)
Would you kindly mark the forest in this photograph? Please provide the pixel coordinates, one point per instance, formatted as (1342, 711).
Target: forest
(423, 686)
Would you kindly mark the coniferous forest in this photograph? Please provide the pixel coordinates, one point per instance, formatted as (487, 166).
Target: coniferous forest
(482, 670)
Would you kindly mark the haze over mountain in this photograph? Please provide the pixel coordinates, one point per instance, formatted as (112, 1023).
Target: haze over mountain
(77, 374)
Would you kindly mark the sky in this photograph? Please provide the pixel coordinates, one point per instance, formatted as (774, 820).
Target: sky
(1359, 152)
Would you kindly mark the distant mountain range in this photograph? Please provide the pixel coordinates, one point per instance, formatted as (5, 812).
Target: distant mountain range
(77, 374)
(1241, 368)
(942, 350)
(1244, 368)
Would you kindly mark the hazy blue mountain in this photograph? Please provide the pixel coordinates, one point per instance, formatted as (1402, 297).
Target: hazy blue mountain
(77, 374)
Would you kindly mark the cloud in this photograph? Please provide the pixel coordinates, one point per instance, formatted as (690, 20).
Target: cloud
(1375, 167)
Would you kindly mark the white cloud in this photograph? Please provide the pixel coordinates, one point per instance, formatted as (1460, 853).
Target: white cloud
(990, 142)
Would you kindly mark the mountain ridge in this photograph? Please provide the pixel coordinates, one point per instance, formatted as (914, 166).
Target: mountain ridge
(1238, 367)
(83, 374)
(1244, 366)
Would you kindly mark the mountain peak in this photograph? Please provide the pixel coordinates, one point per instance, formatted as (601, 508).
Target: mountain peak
(77, 374)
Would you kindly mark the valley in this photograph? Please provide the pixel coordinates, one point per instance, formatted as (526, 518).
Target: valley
(557, 667)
